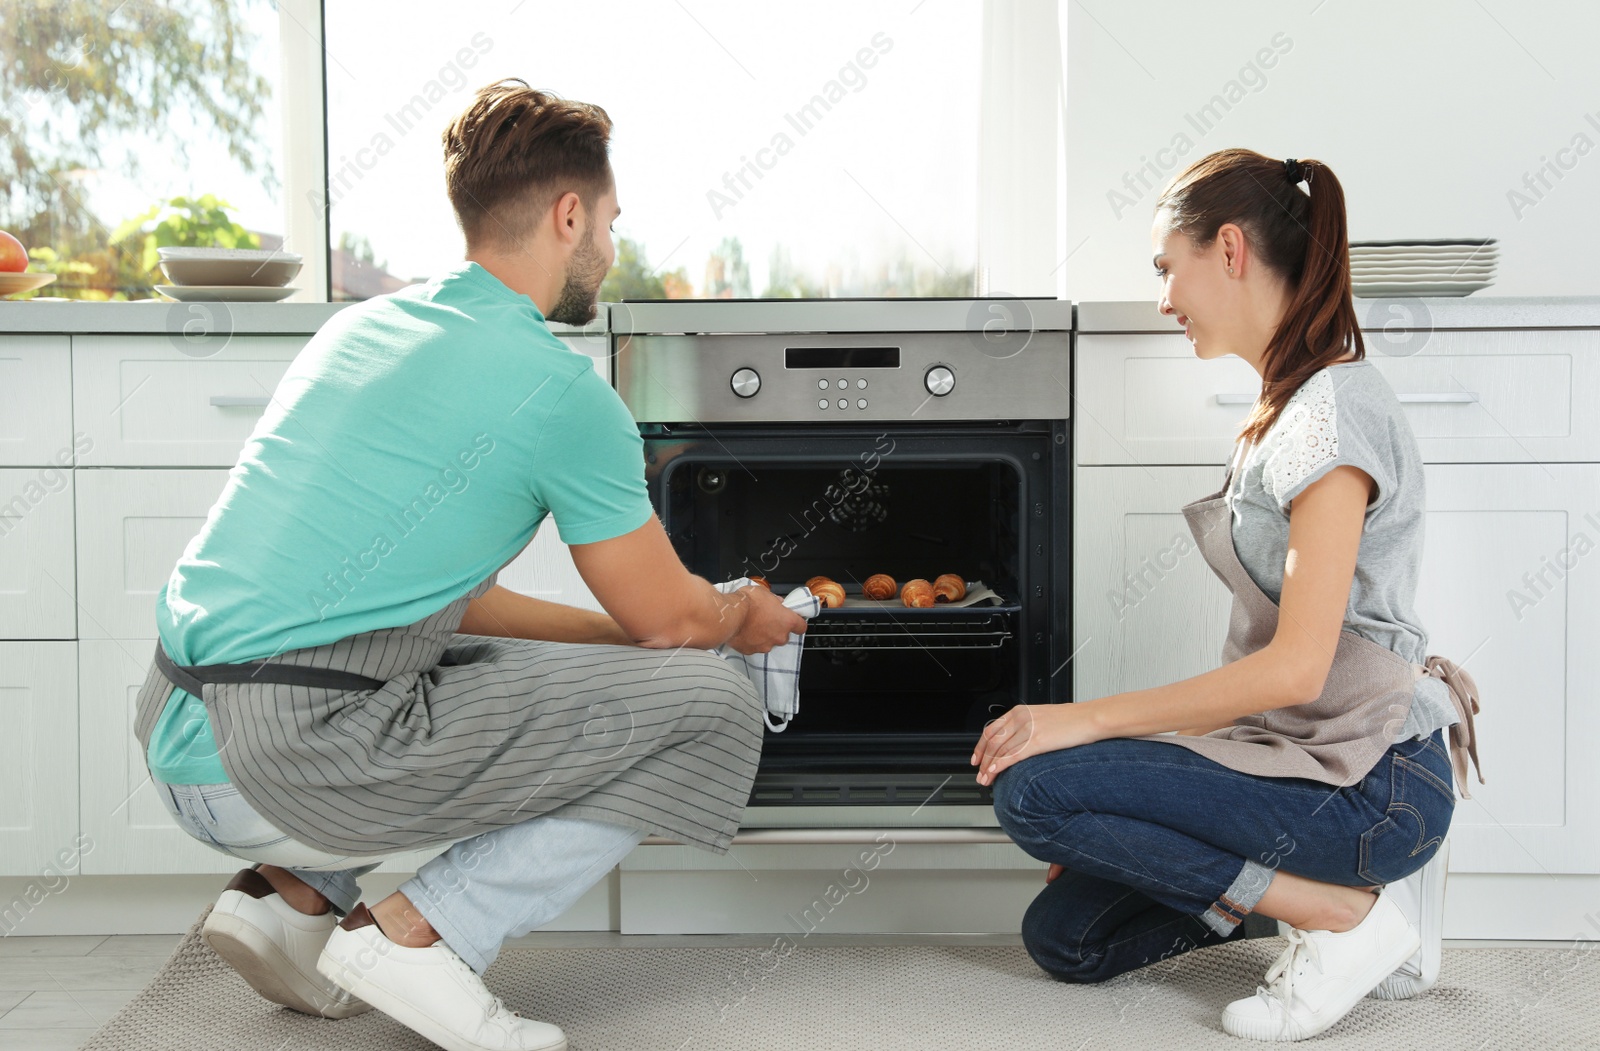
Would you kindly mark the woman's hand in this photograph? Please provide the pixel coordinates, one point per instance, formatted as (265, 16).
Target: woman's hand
(1030, 729)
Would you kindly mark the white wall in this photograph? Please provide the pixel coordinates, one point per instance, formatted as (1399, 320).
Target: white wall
(1429, 111)
(1019, 174)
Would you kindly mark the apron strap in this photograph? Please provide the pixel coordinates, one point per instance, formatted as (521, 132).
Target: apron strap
(1463, 735)
(193, 677)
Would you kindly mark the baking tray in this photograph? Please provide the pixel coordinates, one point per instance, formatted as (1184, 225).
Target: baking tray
(981, 620)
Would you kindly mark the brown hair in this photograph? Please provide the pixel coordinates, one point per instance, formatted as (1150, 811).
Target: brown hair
(1299, 235)
(515, 151)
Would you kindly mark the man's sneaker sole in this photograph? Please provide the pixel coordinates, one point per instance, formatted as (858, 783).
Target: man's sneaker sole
(270, 972)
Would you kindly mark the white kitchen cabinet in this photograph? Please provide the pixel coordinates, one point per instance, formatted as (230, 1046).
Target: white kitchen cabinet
(38, 760)
(155, 401)
(1498, 396)
(1147, 610)
(1510, 589)
(35, 401)
(131, 830)
(37, 575)
(133, 525)
(1144, 398)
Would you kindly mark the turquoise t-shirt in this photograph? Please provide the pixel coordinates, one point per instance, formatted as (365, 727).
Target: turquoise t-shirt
(413, 448)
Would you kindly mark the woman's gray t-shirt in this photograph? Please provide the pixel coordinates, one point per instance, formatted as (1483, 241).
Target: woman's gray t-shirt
(1347, 414)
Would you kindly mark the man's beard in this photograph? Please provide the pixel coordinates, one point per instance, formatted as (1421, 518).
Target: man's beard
(582, 289)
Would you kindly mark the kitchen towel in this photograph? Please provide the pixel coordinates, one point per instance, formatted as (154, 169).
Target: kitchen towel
(776, 673)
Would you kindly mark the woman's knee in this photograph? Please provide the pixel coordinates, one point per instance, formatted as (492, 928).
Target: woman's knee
(1025, 807)
(1011, 809)
(1054, 785)
(1045, 934)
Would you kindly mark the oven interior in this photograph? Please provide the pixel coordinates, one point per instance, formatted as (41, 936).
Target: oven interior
(889, 693)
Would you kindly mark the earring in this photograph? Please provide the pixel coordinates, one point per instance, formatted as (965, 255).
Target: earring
(1230, 269)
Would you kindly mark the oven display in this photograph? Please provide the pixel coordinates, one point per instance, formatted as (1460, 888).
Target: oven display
(841, 357)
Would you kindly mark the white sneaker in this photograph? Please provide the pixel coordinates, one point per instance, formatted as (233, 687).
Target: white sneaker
(275, 948)
(1321, 975)
(431, 991)
(1420, 896)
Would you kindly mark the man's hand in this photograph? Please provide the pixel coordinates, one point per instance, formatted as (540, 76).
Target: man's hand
(1028, 730)
(768, 623)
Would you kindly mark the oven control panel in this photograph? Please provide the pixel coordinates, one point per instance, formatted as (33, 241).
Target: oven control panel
(915, 376)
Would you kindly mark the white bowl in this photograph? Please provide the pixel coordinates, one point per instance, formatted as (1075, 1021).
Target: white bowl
(263, 272)
(256, 254)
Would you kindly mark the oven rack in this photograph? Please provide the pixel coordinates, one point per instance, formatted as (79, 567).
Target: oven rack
(963, 629)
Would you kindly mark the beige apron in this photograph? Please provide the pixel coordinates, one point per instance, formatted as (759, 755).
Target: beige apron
(1340, 736)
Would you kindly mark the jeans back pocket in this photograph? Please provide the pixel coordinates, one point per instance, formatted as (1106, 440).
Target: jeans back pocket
(1421, 804)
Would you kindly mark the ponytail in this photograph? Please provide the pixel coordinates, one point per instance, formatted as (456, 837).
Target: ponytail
(1300, 235)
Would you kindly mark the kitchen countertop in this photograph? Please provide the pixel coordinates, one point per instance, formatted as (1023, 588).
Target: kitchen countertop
(1460, 312)
(839, 315)
(1469, 312)
(149, 316)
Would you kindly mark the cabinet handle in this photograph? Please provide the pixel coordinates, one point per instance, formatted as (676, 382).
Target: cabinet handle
(1235, 399)
(820, 836)
(241, 401)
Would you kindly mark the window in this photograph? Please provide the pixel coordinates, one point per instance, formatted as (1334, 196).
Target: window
(826, 150)
(100, 165)
(829, 150)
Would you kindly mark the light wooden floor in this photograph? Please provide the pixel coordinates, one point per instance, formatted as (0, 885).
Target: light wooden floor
(55, 992)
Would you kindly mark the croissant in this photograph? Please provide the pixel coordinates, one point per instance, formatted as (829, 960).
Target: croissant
(762, 581)
(949, 588)
(880, 586)
(831, 594)
(917, 593)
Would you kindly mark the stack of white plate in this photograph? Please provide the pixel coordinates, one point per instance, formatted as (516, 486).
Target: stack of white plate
(228, 275)
(1422, 268)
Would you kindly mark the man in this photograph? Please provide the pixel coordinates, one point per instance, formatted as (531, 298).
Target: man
(394, 697)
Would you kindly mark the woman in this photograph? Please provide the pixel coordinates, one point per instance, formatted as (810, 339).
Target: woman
(1309, 773)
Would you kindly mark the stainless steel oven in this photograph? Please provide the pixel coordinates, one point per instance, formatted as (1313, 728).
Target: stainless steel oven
(847, 438)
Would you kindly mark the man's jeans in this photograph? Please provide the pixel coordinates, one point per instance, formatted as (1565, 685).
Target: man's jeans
(1166, 850)
(478, 893)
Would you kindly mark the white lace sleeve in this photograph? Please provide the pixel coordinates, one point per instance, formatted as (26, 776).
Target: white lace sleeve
(1304, 439)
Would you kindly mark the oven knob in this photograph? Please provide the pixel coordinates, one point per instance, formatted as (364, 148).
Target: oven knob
(939, 381)
(745, 383)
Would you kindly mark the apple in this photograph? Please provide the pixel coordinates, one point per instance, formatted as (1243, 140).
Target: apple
(13, 257)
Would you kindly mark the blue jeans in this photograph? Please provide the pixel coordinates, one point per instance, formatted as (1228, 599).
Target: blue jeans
(1167, 851)
(478, 893)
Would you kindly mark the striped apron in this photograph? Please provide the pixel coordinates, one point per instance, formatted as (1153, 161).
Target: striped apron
(444, 736)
